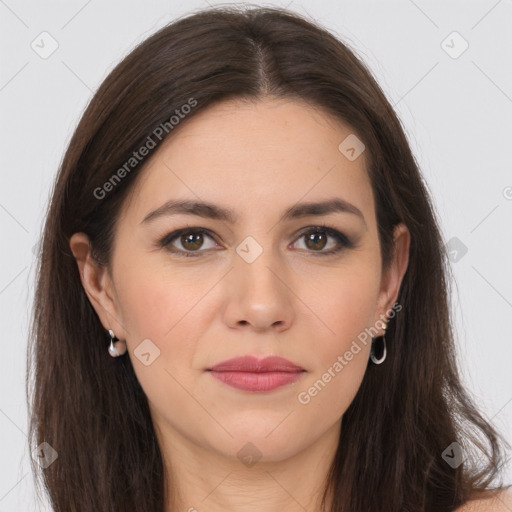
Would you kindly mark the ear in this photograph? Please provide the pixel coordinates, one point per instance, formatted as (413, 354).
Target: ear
(97, 284)
(393, 275)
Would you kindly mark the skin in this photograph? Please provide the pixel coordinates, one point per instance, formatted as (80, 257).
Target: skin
(257, 158)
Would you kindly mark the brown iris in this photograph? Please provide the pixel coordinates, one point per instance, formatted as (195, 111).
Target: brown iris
(192, 241)
(316, 240)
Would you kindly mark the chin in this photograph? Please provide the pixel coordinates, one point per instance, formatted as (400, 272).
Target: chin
(258, 445)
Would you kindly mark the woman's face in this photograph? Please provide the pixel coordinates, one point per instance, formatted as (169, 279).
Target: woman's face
(258, 282)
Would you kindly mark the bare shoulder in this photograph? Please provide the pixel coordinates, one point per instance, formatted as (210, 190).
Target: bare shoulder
(499, 502)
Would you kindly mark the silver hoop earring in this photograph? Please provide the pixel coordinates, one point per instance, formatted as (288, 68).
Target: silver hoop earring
(381, 340)
(116, 349)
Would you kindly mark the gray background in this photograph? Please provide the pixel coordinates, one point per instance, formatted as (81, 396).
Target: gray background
(456, 110)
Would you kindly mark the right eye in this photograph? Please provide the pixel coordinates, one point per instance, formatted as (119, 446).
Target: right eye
(190, 239)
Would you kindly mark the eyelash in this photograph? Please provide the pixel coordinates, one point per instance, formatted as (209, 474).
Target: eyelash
(343, 240)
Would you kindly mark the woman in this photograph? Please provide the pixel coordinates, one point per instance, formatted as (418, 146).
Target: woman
(242, 298)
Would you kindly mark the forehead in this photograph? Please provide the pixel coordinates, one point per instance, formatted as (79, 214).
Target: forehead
(250, 155)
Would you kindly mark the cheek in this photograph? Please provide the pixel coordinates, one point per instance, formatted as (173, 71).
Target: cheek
(346, 307)
(154, 297)
(160, 304)
(344, 302)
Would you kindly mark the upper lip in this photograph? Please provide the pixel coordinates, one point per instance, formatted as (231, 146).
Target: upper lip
(255, 365)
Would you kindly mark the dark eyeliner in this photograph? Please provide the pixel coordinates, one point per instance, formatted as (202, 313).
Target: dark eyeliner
(167, 239)
(344, 242)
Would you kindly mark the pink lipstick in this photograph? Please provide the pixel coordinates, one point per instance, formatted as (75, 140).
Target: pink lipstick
(249, 373)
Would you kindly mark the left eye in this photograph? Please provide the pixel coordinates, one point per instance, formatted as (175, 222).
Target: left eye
(315, 241)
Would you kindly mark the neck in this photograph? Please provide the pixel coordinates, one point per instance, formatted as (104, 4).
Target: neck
(200, 478)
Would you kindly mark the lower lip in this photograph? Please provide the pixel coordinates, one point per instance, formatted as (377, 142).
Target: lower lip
(263, 381)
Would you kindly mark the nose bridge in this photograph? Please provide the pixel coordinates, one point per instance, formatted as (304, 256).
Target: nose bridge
(258, 263)
(257, 293)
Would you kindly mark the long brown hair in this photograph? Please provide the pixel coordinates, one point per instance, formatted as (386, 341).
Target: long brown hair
(91, 408)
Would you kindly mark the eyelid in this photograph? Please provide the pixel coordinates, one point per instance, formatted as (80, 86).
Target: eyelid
(344, 242)
(167, 239)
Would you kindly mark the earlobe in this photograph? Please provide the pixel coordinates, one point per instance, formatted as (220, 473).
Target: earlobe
(96, 283)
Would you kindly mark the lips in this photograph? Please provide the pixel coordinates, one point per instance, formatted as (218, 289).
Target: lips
(252, 374)
(255, 365)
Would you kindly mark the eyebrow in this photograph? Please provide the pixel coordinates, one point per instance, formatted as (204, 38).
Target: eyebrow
(213, 211)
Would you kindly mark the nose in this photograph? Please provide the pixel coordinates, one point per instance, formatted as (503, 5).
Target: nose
(258, 296)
